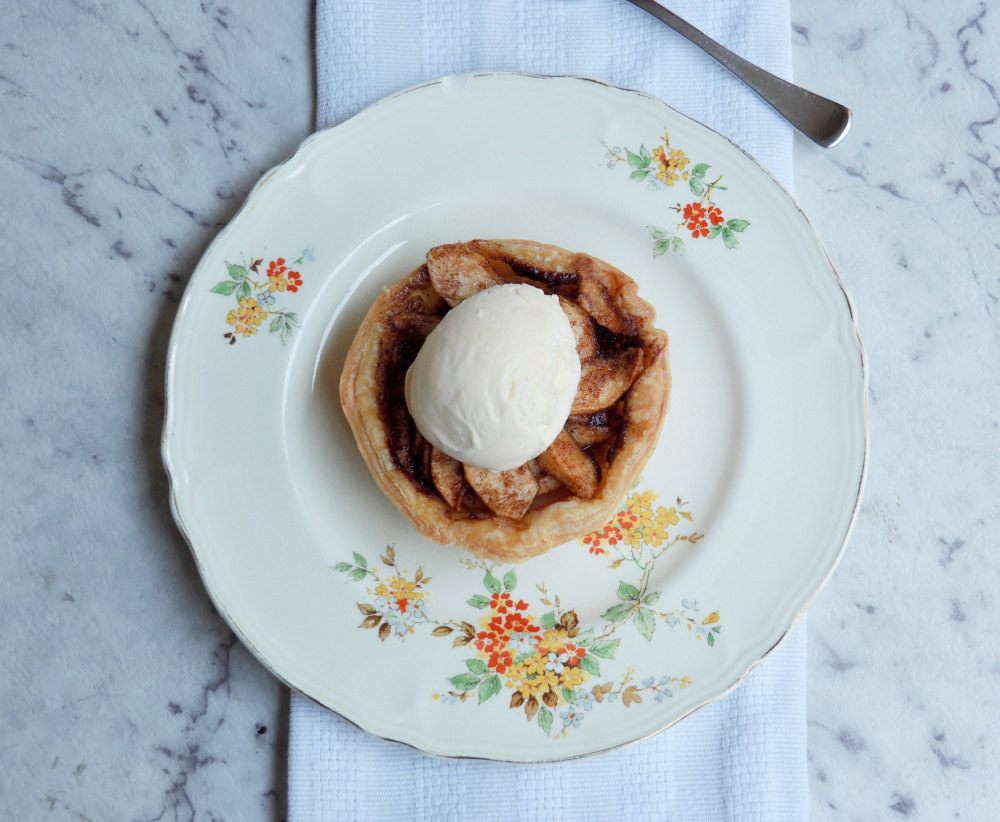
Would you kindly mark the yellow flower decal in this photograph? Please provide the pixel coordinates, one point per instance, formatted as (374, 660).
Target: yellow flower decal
(571, 677)
(633, 538)
(644, 500)
(532, 681)
(639, 525)
(665, 517)
(247, 317)
(400, 590)
(676, 161)
(554, 640)
(670, 164)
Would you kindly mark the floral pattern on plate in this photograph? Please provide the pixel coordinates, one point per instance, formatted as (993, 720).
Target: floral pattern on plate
(535, 647)
(663, 168)
(256, 299)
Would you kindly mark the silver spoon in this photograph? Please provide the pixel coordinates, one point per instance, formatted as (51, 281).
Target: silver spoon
(822, 121)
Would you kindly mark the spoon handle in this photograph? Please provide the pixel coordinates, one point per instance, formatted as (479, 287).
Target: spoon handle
(822, 121)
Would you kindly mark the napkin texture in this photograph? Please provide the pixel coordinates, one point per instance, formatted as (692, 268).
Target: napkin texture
(741, 758)
(368, 50)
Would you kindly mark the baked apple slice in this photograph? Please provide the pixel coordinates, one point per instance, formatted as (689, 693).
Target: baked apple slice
(583, 328)
(448, 477)
(569, 463)
(457, 272)
(598, 301)
(603, 381)
(507, 493)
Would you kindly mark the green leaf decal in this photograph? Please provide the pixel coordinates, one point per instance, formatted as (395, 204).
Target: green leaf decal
(627, 592)
(604, 649)
(678, 245)
(226, 287)
(586, 639)
(617, 612)
(342, 566)
(569, 695)
(729, 238)
(650, 599)
(545, 718)
(243, 292)
(656, 232)
(548, 621)
(237, 272)
(714, 231)
(711, 639)
(590, 665)
(645, 622)
(276, 323)
(286, 332)
(661, 247)
(358, 574)
(699, 170)
(492, 583)
(476, 666)
(479, 601)
(635, 160)
(509, 581)
(360, 560)
(738, 225)
(646, 156)
(464, 682)
(697, 186)
(489, 687)
(640, 175)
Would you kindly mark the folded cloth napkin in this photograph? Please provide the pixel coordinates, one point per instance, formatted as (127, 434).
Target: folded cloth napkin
(744, 756)
(740, 759)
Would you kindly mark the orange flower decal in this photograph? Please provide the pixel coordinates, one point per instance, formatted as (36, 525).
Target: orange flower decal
(610, 534)
(694, 214)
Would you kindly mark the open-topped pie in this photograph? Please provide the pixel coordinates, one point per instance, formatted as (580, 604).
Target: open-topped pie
(576, 484)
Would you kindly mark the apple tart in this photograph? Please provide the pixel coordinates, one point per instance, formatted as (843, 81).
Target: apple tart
(576, 484)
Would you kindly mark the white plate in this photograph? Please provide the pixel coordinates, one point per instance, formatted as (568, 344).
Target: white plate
(753, 486)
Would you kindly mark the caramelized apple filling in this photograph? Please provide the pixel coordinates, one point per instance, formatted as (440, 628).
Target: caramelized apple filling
(613, 352)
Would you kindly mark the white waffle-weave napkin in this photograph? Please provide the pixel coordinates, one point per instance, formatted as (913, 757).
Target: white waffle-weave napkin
(740, 758)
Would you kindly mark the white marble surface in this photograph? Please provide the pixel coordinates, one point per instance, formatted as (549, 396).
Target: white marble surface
(904, 717)
(131, 131)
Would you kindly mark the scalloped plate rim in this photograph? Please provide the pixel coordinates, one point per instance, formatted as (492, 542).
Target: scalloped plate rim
(256, 193)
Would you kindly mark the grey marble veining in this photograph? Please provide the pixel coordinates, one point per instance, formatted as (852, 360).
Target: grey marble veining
(131, 131)
(904, 718)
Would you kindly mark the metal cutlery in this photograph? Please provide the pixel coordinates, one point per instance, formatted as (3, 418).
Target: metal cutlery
(821, 120)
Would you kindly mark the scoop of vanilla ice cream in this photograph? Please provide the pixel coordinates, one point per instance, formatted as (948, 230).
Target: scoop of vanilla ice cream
(493, 384)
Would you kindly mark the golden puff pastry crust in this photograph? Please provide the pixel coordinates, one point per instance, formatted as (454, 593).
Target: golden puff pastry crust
(607, 440)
